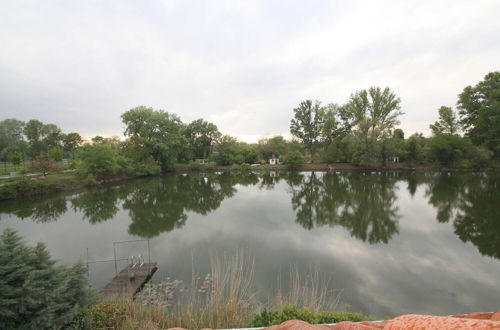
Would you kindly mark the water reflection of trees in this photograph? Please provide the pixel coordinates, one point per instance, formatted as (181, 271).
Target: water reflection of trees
(157, 205)
(363, 204)
(471, 201)
(40, 209)
(161, 205)
(99, 204)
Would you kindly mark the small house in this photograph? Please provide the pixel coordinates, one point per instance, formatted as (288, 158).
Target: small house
(202, 161)
(274, 161)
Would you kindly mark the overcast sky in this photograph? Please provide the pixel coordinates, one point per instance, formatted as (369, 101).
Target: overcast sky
(243, 65)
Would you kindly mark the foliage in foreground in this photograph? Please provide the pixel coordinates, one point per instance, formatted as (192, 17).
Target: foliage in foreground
(34, 292)
(222, 299)
(291, 312)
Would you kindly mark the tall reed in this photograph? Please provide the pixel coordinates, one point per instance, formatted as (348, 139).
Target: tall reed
(222, 299)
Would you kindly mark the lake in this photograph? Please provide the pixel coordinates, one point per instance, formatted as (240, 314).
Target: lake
(388, 242)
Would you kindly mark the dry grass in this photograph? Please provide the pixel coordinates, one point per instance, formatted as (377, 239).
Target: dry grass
(310, 291)
(223, 299)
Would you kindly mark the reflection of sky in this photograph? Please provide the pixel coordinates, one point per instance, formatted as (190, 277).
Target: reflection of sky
(424, 269)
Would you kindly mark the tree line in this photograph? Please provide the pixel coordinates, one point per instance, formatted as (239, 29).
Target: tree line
(363, 131)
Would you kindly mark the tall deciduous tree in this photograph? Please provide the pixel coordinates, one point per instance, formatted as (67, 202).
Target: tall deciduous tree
(41, 138)
(373, 114)
(157, 131)
(479, 109)
(447, 123)
(202, 135)
(307, 124)
(33, 133)
(334, 125)
(70, 142)
(11, 138)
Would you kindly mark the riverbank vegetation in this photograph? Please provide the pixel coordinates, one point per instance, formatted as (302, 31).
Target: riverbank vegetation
(224, 298)
(363, 132)
(35, 293)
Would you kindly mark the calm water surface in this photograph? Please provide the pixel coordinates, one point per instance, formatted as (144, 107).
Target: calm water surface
(391, 243)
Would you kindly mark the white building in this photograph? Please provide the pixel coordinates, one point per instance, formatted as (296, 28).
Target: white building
(274, 161)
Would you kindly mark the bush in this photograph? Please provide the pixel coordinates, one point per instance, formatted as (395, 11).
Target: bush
(463, 164)
(146, 168)
(245, 167)
(34, 293)
(43, 164)
(23, 171)
(25, 187)
(98, 160)
(108, 315)
(291, 312)
(294, 160)
(479, 157)
(448, 149)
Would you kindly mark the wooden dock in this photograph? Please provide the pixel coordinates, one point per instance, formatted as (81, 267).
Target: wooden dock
(129, 281)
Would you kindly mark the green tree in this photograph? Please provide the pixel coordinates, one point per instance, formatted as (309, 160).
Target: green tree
(307, 124)
(479, 109)
(294, 160)
(51, 136)
(448, 122)
(142, 162)
(373, 114)
(11, 138)
(41, 138)
(201, 136)
(275, 146)
(157, 131)
(448, 149)
(97, 160)
(56, 154)
(34, 293)
(226, 150)
(335, 125)
(414, 148)
(70, 142)
(33, 133)
(17, 159)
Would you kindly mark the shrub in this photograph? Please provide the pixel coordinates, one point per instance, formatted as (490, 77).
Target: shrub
(34, 293)
(43, 164)
(107, 315)
(245, 167)
(479, 157)
(99, 160)
(147, 167)
(23, 171)
(25, 187)
(291, 312)
(294, 160)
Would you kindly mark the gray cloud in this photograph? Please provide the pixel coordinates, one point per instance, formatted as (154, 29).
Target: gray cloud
(243, 65)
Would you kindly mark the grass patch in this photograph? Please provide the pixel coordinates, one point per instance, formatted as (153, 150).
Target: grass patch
(38, 185)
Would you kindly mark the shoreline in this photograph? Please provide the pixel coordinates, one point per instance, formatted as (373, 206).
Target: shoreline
(31, 186)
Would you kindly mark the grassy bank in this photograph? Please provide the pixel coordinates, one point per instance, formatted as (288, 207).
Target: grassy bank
(21, 187)
(223, 299)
